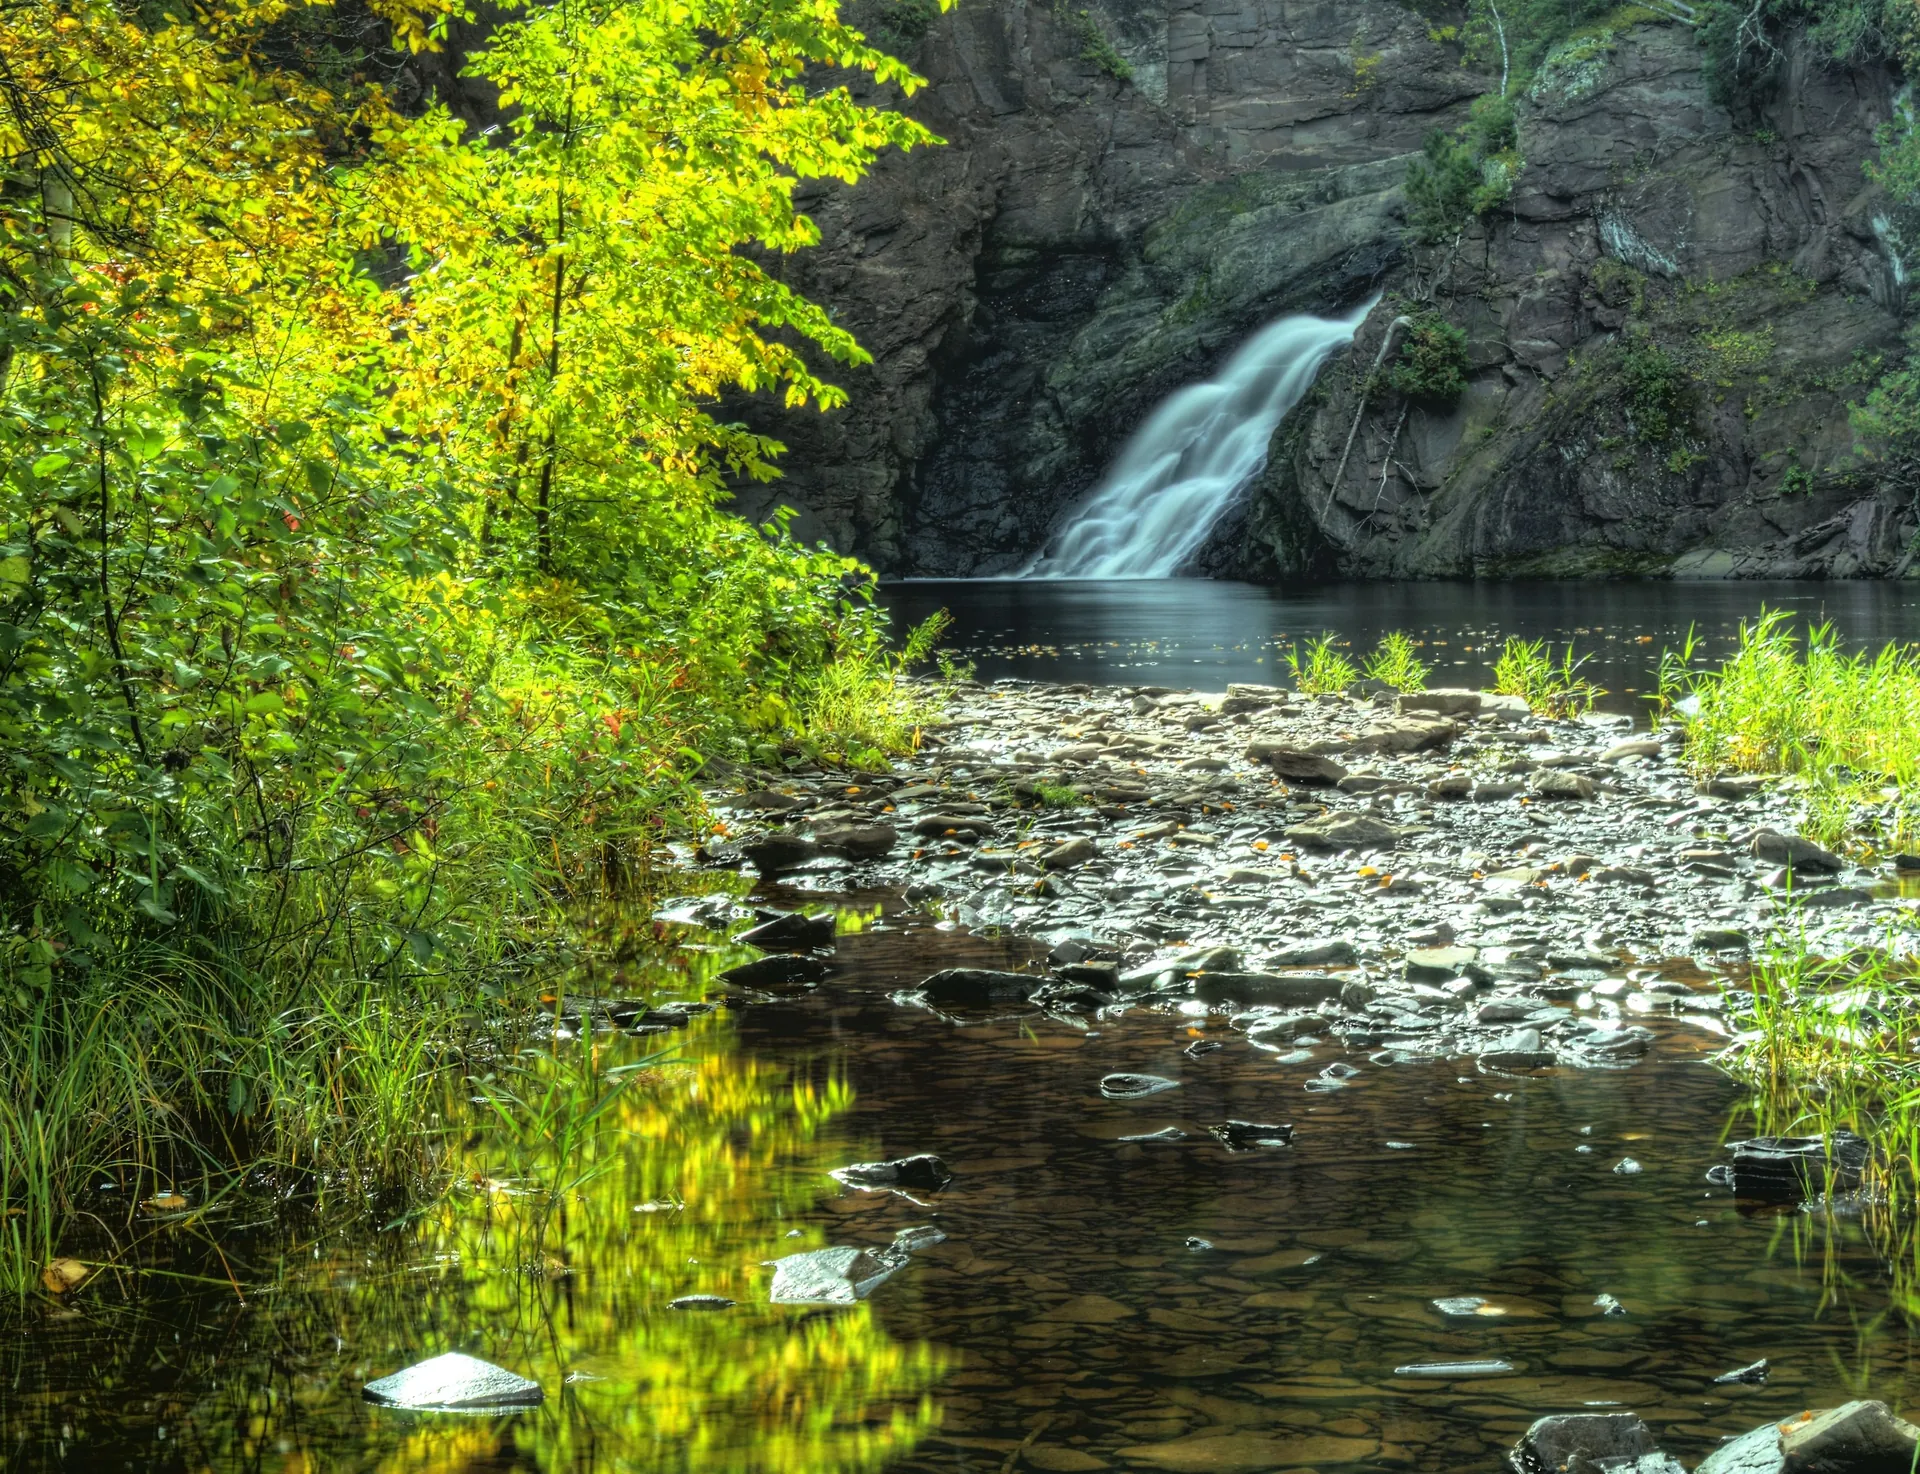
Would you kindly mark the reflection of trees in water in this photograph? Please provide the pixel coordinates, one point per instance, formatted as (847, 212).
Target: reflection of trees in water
(690, 1178)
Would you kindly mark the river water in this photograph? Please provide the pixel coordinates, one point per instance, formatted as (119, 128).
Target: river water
(1097, 1303)
(1204, 633)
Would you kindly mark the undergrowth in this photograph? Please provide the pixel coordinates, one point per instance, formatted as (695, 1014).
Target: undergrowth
(1527, 669)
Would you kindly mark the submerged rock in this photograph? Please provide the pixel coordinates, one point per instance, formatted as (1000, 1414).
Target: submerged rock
(1248, 1136)
(780, 852)
(1135, 1087)
(1856, 1438)
(1586, 1443)
(1752, 1374)
(922, 1173)
(454, 1381)
(1793, 1169)
(700, 1302)
(792, 932)
(979, 987)
(781, 969)
(836, 1276)
(857, 841)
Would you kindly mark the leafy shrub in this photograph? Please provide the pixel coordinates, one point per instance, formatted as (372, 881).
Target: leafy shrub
(1462, 174)
(1432, 361)
(1657, 392)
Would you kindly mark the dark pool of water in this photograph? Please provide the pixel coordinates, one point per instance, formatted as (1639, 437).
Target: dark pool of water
(1097, 1303)
(1202, 633)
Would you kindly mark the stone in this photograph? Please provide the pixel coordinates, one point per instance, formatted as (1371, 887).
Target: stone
(1294, 990)
(1443, 701)
(1493, 791)
(1730, 786)
(980, 987)
(1720, 939)
(454, 1381)
(1793, 1169)
(700, 1302)
(782, 969)
(1450, 785)
(936, 826)
(1633, 747)
(1587, 1443)
(1074, 852)
(835, 1276)
(1407, 735)
(1248, 1452)
(1438, 964)
(792, 932)
(1319, 953)
(856, 841)
(1247, 1136)
(1559, 784)
(1135, 1087)
(780, 852)
(1295, 764)
(1752, 1374)
(922, 1173)
(1793, 851)
(1862, 1437)
(1346, 832)
(1519, 1050)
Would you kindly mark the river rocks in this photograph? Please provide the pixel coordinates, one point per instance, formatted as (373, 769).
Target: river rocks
(1588, 1443)
(979, 987)
(1856, 1438)
(1328, 953)
(836, 1276)
(1279, 989)
(1135, 1087)
(1439, 964)
(922, 1173)
(700, 1302)
(1248, 1136)
(1792, 851)
(454, 1381)
(1444, 702)
(1793, 1169)
(1408, 735)
(1073, 853)
(1346, 832)
(1519, 1050)
(1633, 747)
(1296, 765)
(778, 853)
(1752, 1375)
(792, 932)
(1558, 784)
(856, 841)
(782, 969)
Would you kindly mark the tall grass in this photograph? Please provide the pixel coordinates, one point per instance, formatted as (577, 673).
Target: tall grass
(1394, 663)
(1321, 668)
(1527, 669)
(1847, 723)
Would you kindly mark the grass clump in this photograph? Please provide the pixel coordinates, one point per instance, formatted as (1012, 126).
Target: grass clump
(1846, 723)
(1394, 663)
(1321, 668)
(1527, 669)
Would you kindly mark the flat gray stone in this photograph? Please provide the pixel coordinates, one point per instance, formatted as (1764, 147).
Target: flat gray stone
(1855, 1438)
(1294, 764)
(836, 1276)
(1792, 851)
(454, 1381)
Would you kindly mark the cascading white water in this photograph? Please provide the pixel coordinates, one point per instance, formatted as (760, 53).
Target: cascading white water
(1183, 468)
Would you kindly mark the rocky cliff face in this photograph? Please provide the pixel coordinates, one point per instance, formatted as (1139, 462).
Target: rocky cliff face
(1087, 242)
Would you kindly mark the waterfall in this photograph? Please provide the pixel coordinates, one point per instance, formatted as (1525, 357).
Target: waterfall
(1183, 467)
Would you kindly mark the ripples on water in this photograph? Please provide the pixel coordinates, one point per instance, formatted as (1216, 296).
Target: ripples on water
(1202, 633)
(1097, 1304)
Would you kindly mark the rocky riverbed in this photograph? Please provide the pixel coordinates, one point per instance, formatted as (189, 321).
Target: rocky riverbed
(1438, 873)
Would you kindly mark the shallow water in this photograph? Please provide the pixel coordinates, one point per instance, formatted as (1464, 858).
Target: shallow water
(1204, 633)
(1096, 1304)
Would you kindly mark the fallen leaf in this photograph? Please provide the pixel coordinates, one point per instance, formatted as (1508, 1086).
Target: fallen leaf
(165, 1203)
(62, 1275)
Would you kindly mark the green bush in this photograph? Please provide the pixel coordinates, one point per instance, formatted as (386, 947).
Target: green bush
(1657, 392)
(1432, 361)
(1465, 173)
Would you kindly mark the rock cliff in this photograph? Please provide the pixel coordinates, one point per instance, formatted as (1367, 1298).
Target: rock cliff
(1129, 190)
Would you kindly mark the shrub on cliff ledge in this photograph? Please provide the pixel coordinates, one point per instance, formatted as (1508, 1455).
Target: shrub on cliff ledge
(1462, 174)
(1432, 362)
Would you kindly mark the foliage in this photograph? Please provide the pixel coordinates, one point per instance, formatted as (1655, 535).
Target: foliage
(1395, 664)
(1656, 391)
(894, 25)
(1743, 40)
(1094, 43)
(1432, 362)
(1322, 668)
(1527, 669)
(1462, 174)
(1847, 723)
(365, 592)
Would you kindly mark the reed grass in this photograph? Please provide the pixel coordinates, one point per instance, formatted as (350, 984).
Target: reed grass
(1394, 663)
(1845, 725)
(1527, 669)
(1321, 668)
